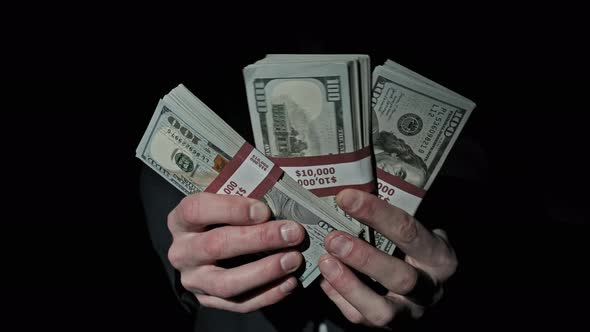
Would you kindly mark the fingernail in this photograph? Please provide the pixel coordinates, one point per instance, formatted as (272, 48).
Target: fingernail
(289, 261)
(340, 246)
(330, 269)
(350, 201)
(288, 285)
(290, 233)
(258, 212)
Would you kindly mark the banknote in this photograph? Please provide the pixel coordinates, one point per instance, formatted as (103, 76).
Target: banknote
(415, 124)
(300, 109)
(310, 114)
(195, 150)
(360, 84)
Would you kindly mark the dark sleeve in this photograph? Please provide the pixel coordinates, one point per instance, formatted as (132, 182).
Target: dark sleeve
(459, 191)
(159, 198)
(460, 202)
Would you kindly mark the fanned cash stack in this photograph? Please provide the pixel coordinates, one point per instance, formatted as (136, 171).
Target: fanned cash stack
(415, 124)
(196, 151)
(311, 115)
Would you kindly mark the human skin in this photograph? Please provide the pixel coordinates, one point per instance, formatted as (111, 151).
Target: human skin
(197, 248)
(412, 284)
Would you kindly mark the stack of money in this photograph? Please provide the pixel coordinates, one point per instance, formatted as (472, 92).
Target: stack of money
(415, 124)
(316, 130)
(311, 115)
(195, 150)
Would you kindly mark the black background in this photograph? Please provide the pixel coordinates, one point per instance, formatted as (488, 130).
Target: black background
(79, 93)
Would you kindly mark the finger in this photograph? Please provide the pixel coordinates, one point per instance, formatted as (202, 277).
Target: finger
(441, 233)
(231, 241)
(228, 283)
(346, 308)
(376, 309)
(269, 296)
(443, 263)
(403, 305)
(394, 223)
(393, 273)
(195, 212)
(446, 264)
(414, 310)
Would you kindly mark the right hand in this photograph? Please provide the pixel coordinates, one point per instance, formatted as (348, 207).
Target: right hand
(196, 248)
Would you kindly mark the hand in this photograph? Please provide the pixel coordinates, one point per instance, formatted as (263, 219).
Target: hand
(411, 284)
(196, 249)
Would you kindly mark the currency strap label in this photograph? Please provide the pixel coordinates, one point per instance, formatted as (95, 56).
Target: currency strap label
(249, 173)
(329, 174)
(398, 192)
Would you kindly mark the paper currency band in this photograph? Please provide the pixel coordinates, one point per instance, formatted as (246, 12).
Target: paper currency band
(323, 160)
(399, 183)
(333, 191)
(252, 173)
(329, 174)
(398, 192)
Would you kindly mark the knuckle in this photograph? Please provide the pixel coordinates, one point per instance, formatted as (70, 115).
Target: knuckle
(189, 207)
(213, 244)
(452, 269)
(268, 234)
(343, 285)
(355, 317)
(272, 269)
(170, 220)
(188, 282)
(451, 263)
(175, 257)
(407, 281)
(382, 318)
(448, 264)
(418, 312)
(363, 258)
(367, 208)
(238, 211)
(408, 229)
(221, 287)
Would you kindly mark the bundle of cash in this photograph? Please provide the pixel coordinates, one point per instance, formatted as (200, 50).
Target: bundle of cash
(195, 150)
(311, 114)
(415, 124)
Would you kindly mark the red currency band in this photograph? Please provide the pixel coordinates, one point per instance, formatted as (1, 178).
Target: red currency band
(400, 183)
(333, 191)
(230, 168)
(235, 163)
(323, 160)
(269, 181)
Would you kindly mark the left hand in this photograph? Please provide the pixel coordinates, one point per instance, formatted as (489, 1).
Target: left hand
(412, 284)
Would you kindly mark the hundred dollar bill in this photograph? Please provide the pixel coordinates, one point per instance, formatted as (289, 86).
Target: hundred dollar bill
(300, 109)
(415, 124)
(195, 150)
(360, 84)
(309, 112)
